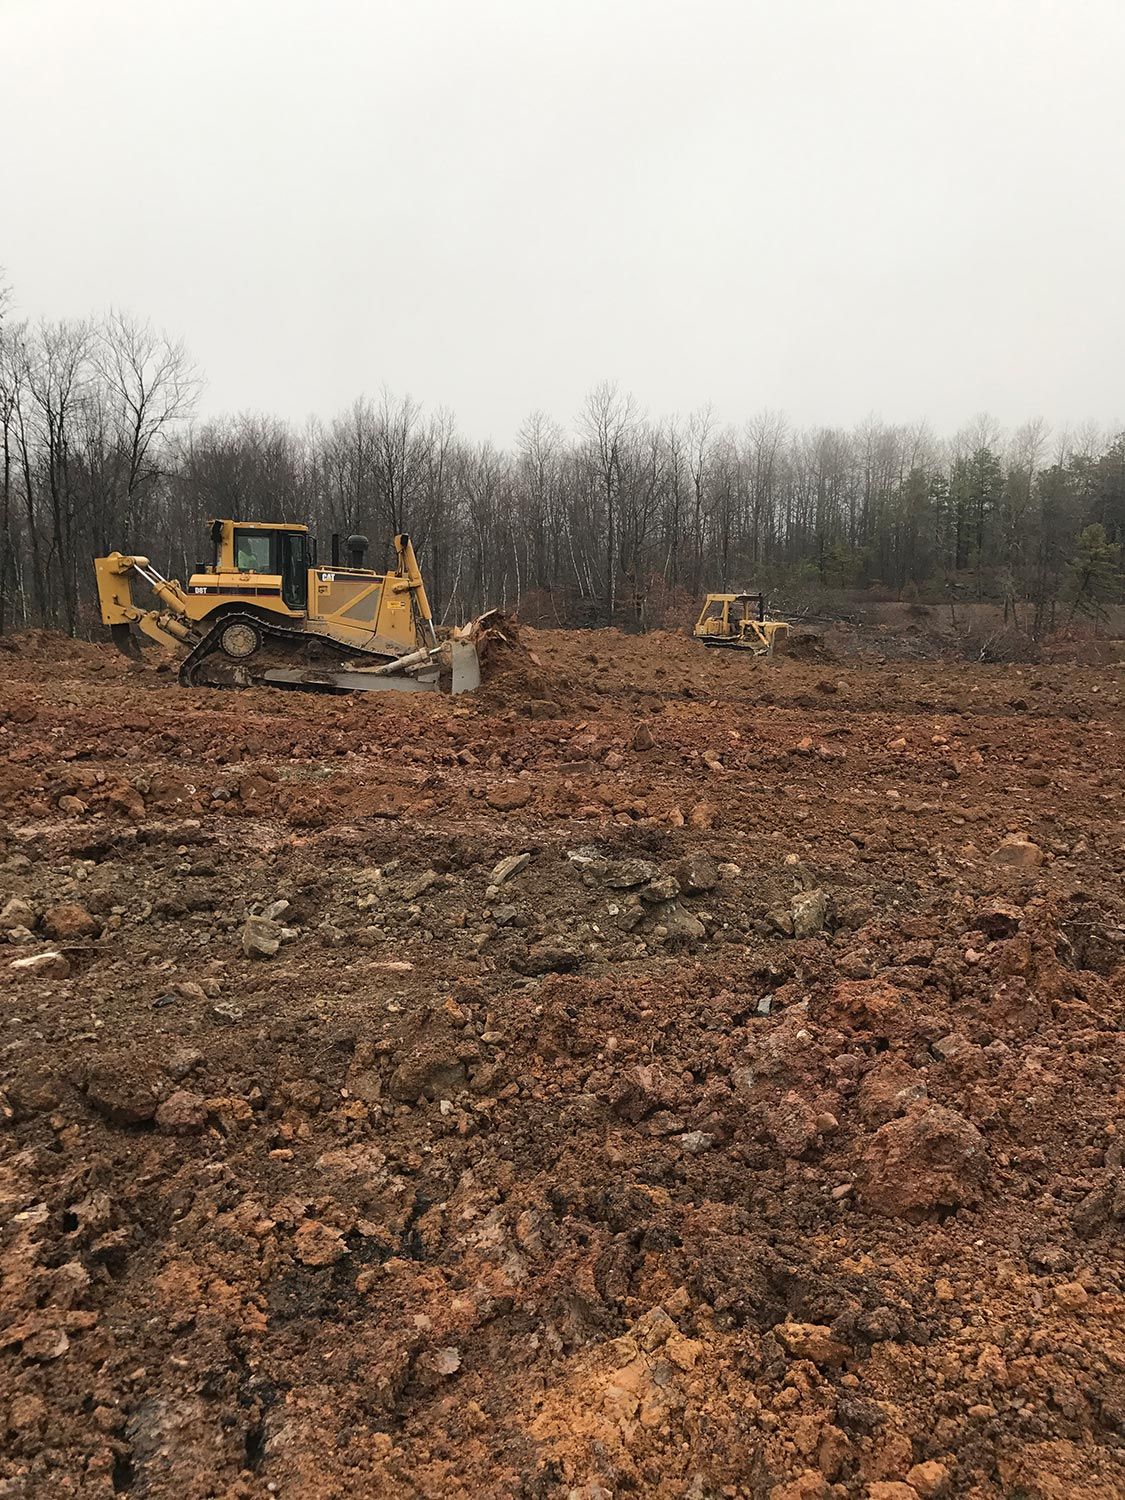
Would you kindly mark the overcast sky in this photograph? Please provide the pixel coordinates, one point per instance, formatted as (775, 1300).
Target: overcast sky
(833, 207)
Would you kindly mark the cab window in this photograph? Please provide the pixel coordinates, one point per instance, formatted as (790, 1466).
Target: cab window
(255, 551)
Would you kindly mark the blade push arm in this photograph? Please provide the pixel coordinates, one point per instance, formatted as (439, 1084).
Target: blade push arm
(411, 576)
(115, 575)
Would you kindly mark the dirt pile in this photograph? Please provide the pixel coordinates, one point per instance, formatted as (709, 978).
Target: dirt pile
(668, 1084)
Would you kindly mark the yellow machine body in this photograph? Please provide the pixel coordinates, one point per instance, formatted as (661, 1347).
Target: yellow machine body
(265, 568)
(738, 620)
(278, 615)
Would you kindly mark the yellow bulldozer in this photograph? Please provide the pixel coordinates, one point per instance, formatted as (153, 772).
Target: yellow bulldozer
(265, 611)
(739, 621)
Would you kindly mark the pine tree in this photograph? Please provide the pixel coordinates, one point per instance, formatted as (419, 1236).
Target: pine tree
(1094, 573)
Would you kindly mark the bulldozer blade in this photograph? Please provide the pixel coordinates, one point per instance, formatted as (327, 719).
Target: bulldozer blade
(466, 667)
(125, 641)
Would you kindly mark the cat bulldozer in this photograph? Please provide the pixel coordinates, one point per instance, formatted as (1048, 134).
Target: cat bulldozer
(739, 621)
(264, 611)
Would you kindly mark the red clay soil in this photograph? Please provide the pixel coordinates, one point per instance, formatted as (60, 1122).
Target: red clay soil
(665, 1073)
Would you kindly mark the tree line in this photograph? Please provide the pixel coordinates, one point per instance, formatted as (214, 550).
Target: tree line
(618, 517)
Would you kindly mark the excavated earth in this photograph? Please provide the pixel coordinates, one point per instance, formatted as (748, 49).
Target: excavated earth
(665, 1073)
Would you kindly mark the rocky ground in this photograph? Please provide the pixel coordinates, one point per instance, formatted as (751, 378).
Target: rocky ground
(664, 1074)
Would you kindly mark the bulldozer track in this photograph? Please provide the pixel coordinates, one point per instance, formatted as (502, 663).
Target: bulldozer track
(279, 634)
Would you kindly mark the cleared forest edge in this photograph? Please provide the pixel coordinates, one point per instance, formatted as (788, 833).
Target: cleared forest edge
(614, 520)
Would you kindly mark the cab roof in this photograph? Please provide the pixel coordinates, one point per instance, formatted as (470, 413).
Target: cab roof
(258, 525)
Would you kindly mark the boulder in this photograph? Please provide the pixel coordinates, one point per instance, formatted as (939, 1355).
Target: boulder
(17, 913)
(182, 1113)
(509, 795)
(930, 1159)
(694, 1142)
(69, 922)
(123, 1087)
(624, 874)
(49, 965)
(1018, 851)
(642, 738)
(664, 888)
(261, 937)
(182, 1061)
(678, 923)
(418, 885)
(507, 867)
(809, 912)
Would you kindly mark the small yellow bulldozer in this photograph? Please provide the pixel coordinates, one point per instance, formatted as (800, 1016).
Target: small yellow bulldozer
(739, 621)
(265, 611)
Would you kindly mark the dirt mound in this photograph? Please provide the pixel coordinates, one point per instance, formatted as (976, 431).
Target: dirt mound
(665, 1072)
(807, 643)
(50, 647)
(512, 671)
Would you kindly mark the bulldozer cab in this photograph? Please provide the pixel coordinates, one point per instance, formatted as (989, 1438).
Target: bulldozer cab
(280, 552)
(723, 614)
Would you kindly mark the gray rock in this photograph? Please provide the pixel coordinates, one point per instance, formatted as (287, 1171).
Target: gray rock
(17, 914)
(261, 937)
(418, 885)
(591, 865)
(696, 1141)
(855, 964)
(697, 874)
(182, 1062)
(50, 965)
(511, 865)
(809, 913)
(675, 921)
(665, 888)
(624, 874)
(782, 919)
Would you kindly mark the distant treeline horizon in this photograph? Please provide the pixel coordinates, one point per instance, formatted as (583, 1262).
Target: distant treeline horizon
(607, 516)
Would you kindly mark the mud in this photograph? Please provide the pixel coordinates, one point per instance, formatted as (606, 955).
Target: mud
(664, 1074)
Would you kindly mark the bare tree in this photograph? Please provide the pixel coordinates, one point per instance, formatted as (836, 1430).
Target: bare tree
(148, 385)
(607, 421)
(701, 427)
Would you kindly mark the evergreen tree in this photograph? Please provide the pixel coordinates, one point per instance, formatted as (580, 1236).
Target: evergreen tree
(1094, 573)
